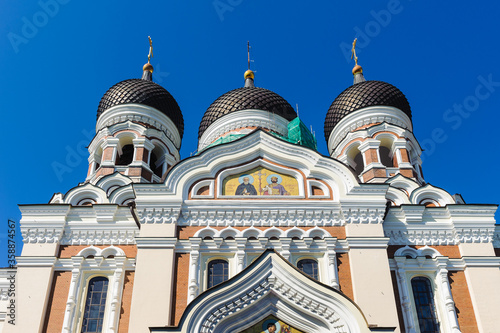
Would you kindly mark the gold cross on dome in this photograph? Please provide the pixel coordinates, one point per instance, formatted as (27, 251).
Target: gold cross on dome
(353, 51)
(150, 55)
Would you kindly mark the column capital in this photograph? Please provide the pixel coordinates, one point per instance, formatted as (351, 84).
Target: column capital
(369, 144)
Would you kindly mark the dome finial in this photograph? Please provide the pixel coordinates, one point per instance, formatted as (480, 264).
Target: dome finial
(357, 71)
(249, 74)
(147, 73)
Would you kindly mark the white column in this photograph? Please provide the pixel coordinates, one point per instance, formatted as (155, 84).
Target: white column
(397, 145)
(194, 271)
(442, 278)
(110, 143)
(404, 294)
(331, 259)
(241, 254)
(285, 248)
(116, 295)
(74, 287)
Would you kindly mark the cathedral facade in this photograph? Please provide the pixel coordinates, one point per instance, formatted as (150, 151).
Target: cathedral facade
(258, 231)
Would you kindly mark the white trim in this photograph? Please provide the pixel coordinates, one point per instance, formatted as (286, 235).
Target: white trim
(321, 185)
(272, 286)
(242, 119)
(366, 116)
(83, 270)
(200, 184)
(437, 272)
(139, 113)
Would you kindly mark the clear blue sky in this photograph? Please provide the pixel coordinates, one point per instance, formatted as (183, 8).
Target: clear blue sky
(56, 61)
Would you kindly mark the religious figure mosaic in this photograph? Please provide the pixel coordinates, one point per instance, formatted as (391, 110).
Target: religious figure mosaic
(260, 181)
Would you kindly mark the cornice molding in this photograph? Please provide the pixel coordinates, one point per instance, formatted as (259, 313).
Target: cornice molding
(242, 119)
(366, 116)
(140, 113)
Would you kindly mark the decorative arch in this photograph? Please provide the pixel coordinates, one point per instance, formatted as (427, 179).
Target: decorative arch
(431, 194)
(230, 232)
(295, 233)
(122, 195)
(229, 180)
(401, 182)
(254, 146)
(252, 232)
(88, 191)
(97, 252)
(206, 233)
(317, 232)
(271, 286)
(111, 182)
(397, 196)
(273, 232)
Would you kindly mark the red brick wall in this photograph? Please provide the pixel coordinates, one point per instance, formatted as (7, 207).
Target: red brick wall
(181, 280)
(57, 302)
(186, 232)
(371, 156)
(126, 301)
(345, 280)
(463, 303)
(205, 190)
(317, 191)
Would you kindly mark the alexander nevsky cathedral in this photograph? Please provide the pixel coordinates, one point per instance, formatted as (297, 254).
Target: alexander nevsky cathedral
(257, 231)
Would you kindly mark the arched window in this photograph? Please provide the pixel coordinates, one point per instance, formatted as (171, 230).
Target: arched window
(156, 161)
(385, 157)
(309, 266)
(424, 305)
(358, 160)
(93, 314)
(127, 155)
(218, 272)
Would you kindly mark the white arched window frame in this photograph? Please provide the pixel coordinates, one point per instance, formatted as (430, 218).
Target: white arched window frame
(425, 262)
(92, 262)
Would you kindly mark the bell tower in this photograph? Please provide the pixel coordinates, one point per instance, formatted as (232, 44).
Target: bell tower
(368, 127)
(138, 132)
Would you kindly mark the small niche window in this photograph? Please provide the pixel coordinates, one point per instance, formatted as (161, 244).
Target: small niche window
(93, 315)
(309, 266)
(424, 305)
(218, 272)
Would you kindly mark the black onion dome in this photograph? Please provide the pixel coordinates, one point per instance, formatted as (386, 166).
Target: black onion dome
(243, 99)
(361, 95)
(143, 92)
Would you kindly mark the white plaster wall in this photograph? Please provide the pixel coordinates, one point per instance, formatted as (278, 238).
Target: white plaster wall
(153, 282)
(485, 294)
(32, 290)
(476, 249)
(372, 286)
(37, 249)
